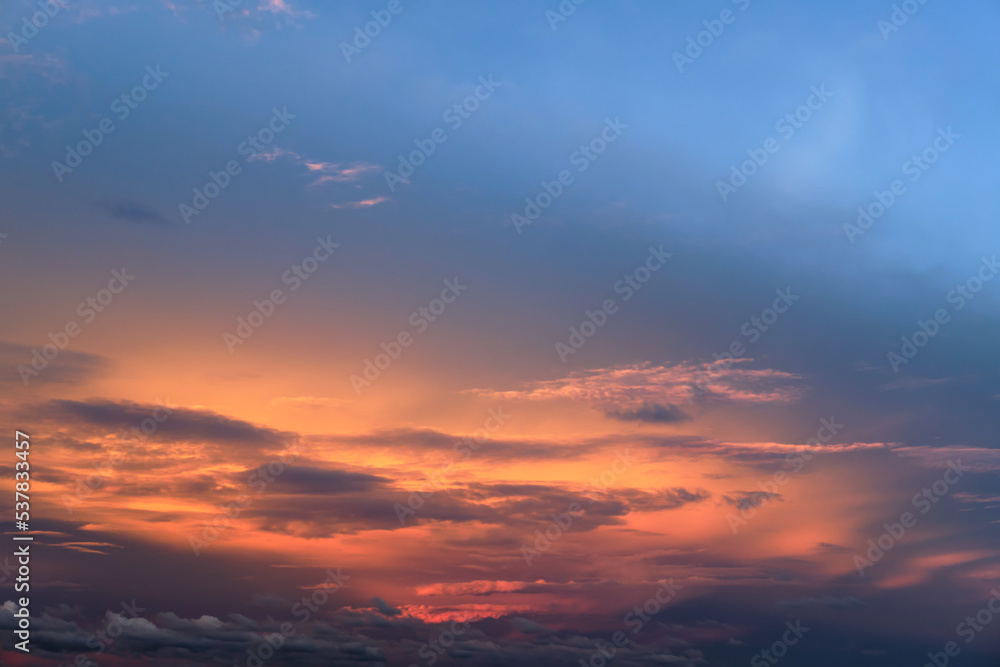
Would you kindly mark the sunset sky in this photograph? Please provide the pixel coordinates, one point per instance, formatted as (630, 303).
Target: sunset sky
(411, 332)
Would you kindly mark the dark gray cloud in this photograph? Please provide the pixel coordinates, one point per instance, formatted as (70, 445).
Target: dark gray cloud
(302, 479)
(182, 424)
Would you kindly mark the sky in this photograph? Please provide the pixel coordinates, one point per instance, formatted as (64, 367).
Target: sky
(410, 332)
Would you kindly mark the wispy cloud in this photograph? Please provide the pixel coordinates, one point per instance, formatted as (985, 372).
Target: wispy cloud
(280, 7)
(339, 173)
(365, 203)
(325, 172)
(131, 211)
(631, 389)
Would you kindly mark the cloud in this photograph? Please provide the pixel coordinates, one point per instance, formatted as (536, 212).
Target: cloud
(528, 627)
(131, 211)
(262, 10)
(748, 499)
(182, 424)
(367, 203)
(652, 413)
(385, 608)
(621, 388)
(914, 383)
(309, 480)
(479, 587)
(46, 65)
(283, 8)
(339, 173)
(420, 443)
(326, 172)
(273, 153)
(323, 506)
(68, 367)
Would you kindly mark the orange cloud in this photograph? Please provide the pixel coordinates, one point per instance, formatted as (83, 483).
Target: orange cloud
(475, 587)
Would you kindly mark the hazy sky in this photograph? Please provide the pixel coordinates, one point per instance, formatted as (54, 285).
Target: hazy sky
(518, 313)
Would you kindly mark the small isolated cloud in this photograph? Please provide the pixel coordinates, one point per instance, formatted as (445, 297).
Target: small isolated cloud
(339, 173)
(366, 203)
(326, 172)
(653, 413)
(89, 547)
(273, 153)
(329, 172)
(131, 211)
(748, 499)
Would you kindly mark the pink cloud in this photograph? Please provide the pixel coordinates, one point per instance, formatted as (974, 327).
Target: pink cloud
(462, 612)
(479, 587)
(336, 173)
(366, 203)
